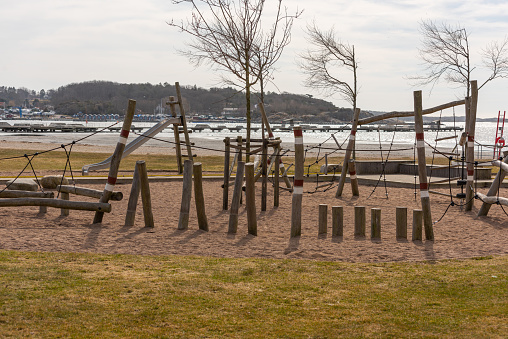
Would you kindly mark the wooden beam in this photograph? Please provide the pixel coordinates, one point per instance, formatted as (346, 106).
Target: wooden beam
(57, 203)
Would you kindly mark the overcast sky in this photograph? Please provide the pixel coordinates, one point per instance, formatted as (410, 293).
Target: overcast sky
(47, 44)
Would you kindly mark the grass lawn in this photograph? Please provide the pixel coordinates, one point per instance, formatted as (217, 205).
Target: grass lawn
(91, 295)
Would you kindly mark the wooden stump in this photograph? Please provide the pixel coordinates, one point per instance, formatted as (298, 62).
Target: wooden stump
(417, 225)
(323, 219)
(401, 222)
(375, 223)
(337, 221)
(359, 221)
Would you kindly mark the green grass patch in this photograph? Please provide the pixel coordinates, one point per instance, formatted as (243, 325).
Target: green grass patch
(92, 295)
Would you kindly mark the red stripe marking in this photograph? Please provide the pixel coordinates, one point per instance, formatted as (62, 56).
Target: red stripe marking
(424, 186)
(419, 136)
(470, 138)
(352, 173)
(298, 133)
(111, 180)
(124, 133)
(270, 135)
(299, 183)
(470, 172)
(353, 132)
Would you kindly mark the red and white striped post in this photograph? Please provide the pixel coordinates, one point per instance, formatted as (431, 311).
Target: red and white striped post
(422, 166)
(296, 203)
(470, 146)
(116, 158)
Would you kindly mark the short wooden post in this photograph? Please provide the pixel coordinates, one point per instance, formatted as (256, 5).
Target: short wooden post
(276, 179)
(417, 224)
(130, 216)
(199, 197)
(401, 222)
(375, 223)
(470, 146)
(145, 194)
(64, 196)
(117, 157)
(235, 203)
(264, 169)
(359, 221)
(250, 199)
(422, 166)
(43, 209)
(183, 222)
(323, 219)
(354, 179)
(337, 221)
(225, 189)
(296, 202)
(347, 156)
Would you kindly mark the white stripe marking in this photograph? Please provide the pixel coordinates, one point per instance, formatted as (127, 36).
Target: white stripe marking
(424, 194)
(352, 137)
(470, 144)
(353, 177)
(470, 178)
(420, 143)
(109, 187)
(298, 190)
(122, 140)
(299, 141)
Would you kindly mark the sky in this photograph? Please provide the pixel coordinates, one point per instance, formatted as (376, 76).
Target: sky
(46, 44)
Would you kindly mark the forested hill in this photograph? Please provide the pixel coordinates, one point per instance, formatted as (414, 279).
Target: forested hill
(105, 97)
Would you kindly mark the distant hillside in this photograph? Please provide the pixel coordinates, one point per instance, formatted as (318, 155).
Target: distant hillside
(106, 97)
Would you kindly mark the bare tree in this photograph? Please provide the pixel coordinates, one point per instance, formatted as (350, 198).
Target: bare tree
(446, 52)
(228, 36)
(325, 64)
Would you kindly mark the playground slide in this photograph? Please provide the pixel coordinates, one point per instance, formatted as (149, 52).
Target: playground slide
(134, 144)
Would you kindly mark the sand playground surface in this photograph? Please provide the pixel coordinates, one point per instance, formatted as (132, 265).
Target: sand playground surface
(458, 234)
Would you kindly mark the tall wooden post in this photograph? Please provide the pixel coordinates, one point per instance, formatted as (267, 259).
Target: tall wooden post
(184, 121)
(250, 198)
(422, 166)
(145, 194)
(225, 189)
(130, 216)
(116, 158)
(183, 222)
(235, 203)
(296, 203)
(199, 197)
(350, 148)
(264, 183)
(470, 146)
(276, 179)
(176, 134)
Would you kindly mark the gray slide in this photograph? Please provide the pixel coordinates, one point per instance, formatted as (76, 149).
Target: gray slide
(134, 144)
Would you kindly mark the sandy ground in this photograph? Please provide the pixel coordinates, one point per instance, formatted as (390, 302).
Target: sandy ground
(458, 234)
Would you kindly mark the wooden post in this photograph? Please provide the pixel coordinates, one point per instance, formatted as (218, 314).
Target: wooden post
(276, 179)
(375, 223)
(116, 158)
(470, 146)
(323, 219)
(225, 189)
(130, 216)
(176, 134)
(184, 121)
(326, 163)
(484, 210)
(296, 202)
(359, 221)
(337, 221)
(401, 222)
(57, 203)
(239, 141)
(237, 193)
(183, 222)
(417, 224)
(250, 199)
(422, 166)
(145, 194)
(265, 120)
(199, 197)
(347, 156)
(264, 171)
(354, 179)
(64, 196)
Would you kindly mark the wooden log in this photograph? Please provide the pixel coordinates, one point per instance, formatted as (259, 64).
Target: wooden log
(235, 203)
(503, 166)
(145, 194)
(183, 222)
(64, 211)
(493, 199)
(347, 156)
(225, 187)
(470, 147)
(337, 221)
(130, 216)
(296, 201)
(401, 222)
(176, 134)
(409, 113)
(446, 138)
(276, 178)
(88, 192)
(359, 221)
(250, 199)
(25, 194)
(494, 187)
(265, 120)
(199, 197)
(417, 225)
(422, 166)
(323, 219)
(57, 203)
(375, 223)
(116, 158)
(353, 178)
